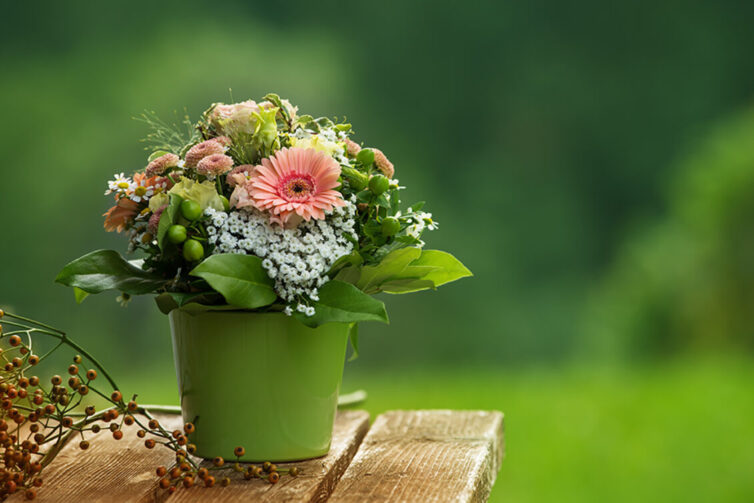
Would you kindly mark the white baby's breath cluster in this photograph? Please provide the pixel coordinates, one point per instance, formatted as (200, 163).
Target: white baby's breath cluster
(296, 259)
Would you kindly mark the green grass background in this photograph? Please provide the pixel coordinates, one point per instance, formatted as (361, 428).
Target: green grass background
(649, 433)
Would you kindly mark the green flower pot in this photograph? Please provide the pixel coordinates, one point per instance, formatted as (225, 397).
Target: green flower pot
(262, 381)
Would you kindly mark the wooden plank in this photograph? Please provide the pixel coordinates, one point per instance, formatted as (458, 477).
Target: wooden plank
(426, 456)
(123, 470)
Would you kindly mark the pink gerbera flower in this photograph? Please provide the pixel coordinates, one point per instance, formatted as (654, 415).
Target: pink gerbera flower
(293, 184)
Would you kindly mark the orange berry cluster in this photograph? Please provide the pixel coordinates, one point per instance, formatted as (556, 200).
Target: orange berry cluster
(188, 475)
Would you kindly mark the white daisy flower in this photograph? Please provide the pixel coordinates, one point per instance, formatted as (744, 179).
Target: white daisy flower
(120, 184)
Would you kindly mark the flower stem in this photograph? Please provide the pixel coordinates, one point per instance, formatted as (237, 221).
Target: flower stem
(64, 339)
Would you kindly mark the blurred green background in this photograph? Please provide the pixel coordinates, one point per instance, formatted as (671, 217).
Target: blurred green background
(592, 164)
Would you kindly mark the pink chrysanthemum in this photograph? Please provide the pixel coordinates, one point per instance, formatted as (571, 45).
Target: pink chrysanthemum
(161, 164)
(202, 150)
(294, 183)
(352, 147)
(383, 164)
(215, 164)
(223, 140)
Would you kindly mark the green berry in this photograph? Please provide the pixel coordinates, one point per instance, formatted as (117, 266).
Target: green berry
(177, 234)
(390, 226)
(191, 210)
(378, 184)
(193, 251)
(365, 156)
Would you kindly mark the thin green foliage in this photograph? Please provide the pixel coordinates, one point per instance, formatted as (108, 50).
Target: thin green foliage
(165, 136)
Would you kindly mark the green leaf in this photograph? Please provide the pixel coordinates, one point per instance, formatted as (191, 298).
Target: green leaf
(103, 270)
(407, 286)
(349, 274)
(204, 301)
(344, 303)
(395, 265)
(364, 196)
(382, 200)
(443, 266)
(353, 336)
(241, 279)
(447, 267)
(157, 154)
(303, 121)
(79, 294)
(168, 218)
(352, 259)
(166, 303)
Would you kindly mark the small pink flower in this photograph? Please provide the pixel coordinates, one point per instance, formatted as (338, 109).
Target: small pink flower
(161, 164)
(239, 175)
(202, 150)
(293, 184)
(154, 221)
(223, 140)
(215, 164)
(383, 164)
(352, 147)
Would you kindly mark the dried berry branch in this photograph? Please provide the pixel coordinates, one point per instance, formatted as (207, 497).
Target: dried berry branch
(37, 420)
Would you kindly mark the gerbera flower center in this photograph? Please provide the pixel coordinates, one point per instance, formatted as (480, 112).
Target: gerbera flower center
(297, 187)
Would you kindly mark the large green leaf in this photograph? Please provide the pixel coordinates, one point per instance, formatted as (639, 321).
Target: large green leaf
(444, 268)
(353, 259)
(241, 279)
(343, 302)
(407, 285)
(447, 267)
(405, 270)
(103, 270)
(395, 265)
(349, 274)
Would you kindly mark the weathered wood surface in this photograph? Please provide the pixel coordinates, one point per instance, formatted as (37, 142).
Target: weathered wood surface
(426, 456)
(123, 471)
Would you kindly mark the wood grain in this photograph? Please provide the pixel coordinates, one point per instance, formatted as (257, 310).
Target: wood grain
(427, 456)
(123, 471)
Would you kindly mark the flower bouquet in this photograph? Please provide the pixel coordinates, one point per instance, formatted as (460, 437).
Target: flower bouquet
(263, 234)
